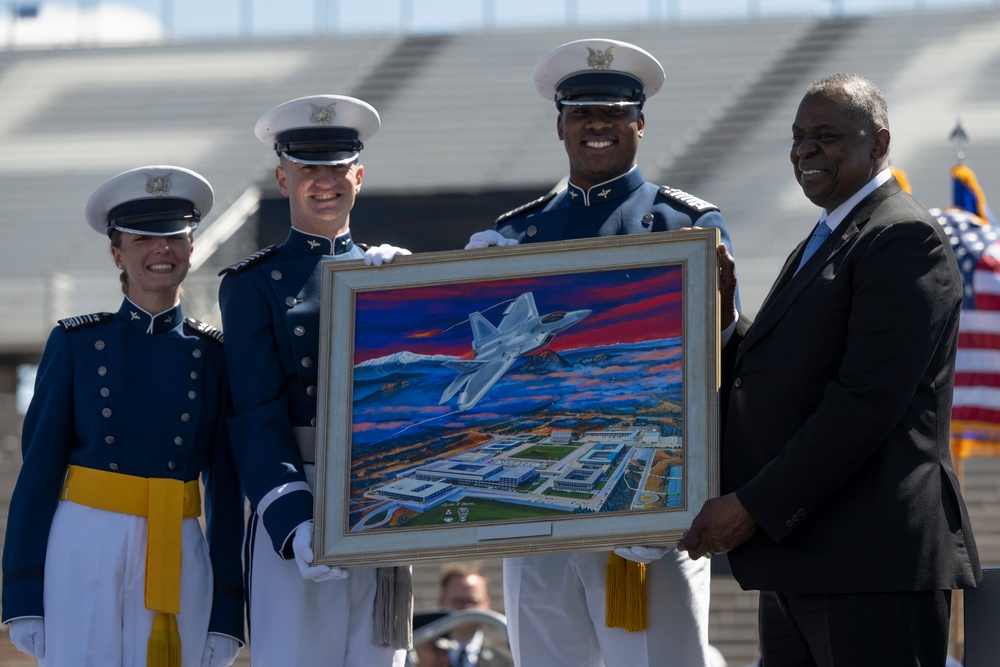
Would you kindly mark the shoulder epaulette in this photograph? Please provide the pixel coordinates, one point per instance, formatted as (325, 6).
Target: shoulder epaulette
(689, 200)
(84, 321)
(204, 329)
(249, 260)
(526, 208)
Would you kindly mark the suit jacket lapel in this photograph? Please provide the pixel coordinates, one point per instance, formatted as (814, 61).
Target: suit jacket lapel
(789, 284)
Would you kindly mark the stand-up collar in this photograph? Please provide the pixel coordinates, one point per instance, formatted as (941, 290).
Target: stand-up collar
(319, 245)
(616, 188)
(152, 324)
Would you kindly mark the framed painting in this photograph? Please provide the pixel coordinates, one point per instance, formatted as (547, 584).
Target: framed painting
(538, 398)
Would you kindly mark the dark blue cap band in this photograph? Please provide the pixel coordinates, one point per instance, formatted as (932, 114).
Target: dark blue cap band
(613, 84)
(317, 143)
(160, 216)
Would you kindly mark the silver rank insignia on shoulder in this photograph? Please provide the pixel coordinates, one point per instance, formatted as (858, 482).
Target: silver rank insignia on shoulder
(526, 208)
(600, 59)
(687, 199)
(82, 321)
(322, 114)
(205, 329)
(250, 260)
(158, 186)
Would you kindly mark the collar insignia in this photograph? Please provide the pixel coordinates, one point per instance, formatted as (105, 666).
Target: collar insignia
(158, 186)
(322, 114)
(604, 193)
(600, 59)
(313, 244)
(572, 193)
(135, 315)
(169, 319)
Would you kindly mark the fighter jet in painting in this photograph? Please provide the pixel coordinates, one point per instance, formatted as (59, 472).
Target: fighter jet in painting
(522, 330)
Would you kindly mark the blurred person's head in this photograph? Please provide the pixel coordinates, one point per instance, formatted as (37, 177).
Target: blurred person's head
(463, 586)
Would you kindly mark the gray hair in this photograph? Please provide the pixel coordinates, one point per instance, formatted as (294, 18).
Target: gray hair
(861, 99)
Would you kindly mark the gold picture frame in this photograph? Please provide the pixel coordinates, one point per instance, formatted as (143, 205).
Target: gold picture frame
(538, 398)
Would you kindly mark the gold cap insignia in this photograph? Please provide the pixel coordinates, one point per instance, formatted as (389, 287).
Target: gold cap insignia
(322, 114)
(158, 186)
(600, 59)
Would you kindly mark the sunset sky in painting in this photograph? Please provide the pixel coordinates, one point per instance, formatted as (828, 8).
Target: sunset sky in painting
(629, 305)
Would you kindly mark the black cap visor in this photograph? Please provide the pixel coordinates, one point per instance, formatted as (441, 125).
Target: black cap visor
(319, 145)
(155, 217)
(600, 88)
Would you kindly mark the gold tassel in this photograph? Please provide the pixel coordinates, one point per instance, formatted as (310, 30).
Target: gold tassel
(164, 646)
(636, 603)
(625, 602)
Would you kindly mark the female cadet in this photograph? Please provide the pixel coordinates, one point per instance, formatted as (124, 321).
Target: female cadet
(105, 562)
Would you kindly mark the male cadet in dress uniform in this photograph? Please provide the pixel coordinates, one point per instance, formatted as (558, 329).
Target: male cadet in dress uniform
(555, 604)
(300, 614)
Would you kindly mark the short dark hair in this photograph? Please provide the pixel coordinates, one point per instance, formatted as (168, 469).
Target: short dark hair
(862, 99)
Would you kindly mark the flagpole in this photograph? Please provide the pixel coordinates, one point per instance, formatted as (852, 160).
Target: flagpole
(959, 138)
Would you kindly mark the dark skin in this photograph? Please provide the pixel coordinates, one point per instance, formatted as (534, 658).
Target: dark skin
(833, 157)
(601, 141)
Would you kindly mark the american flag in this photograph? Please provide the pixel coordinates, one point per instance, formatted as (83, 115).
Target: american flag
(975, 416)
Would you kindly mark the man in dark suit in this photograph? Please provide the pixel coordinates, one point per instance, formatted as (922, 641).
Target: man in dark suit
(840, 501)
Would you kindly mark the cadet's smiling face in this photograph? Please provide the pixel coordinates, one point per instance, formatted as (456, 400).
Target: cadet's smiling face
(601, 141)
(320, 196)
(156, 266)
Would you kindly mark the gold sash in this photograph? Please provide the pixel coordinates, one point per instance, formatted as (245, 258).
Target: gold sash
(165, 503)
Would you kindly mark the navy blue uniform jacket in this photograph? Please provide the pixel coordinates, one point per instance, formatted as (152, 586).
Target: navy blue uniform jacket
(271, 310)
(624, 205)
(137, 395)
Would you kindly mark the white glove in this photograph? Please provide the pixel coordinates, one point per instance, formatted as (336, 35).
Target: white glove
(302, 548)
(220, 651)
(642, 554)
(488, 238)
(28, 635)
(383, 254)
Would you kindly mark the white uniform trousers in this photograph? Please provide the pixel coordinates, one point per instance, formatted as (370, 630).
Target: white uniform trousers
(95, 613)
(295, 621)
(555, 613)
